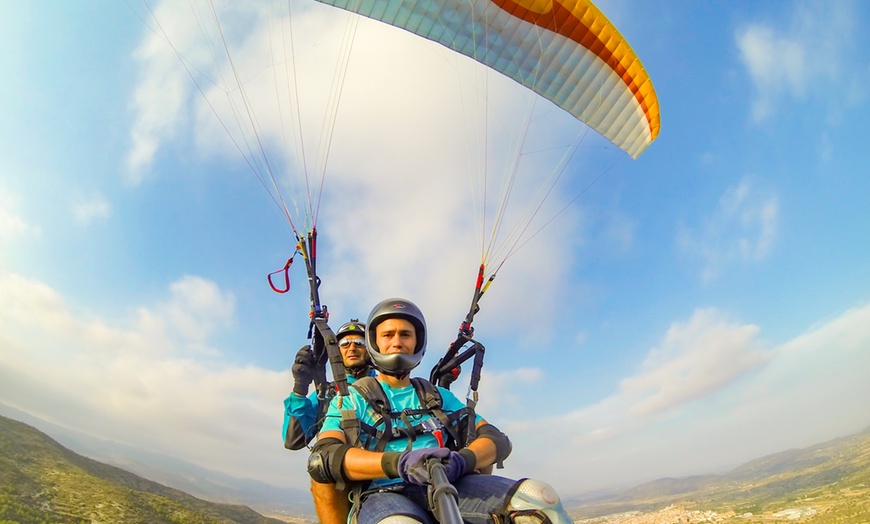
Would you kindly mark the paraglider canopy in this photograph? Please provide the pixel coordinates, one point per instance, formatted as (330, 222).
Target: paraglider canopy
(565, 50)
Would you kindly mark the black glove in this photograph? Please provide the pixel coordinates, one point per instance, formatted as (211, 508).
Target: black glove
(303, 370)
(450, 377)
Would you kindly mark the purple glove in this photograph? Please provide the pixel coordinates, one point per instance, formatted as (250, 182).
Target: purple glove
(412, 465)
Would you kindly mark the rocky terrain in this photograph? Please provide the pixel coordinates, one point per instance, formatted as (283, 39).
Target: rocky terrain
(42, 481)
(825, 483)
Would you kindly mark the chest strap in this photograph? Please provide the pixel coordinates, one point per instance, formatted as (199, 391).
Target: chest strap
(385, 429)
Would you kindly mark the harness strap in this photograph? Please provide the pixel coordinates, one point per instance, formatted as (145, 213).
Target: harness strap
(431, 404)
(409, 431)
(417, 429)
(451, 423)
(374, 395)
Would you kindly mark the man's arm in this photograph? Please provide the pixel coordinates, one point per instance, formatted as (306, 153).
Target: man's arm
(300, 409)
(300, 414)
(361, 464)
(484, 449)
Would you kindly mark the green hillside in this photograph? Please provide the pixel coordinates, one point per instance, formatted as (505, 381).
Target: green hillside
(825, 483)
(43, 482)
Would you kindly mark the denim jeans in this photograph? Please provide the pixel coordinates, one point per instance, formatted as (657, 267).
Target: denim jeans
(479, 497)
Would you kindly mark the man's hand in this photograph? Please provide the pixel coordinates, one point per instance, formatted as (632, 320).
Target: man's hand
(412, 465)
(450, 377)
(303, 370)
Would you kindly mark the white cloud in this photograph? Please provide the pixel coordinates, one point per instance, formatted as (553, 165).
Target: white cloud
(620, 231)
(418, 195)
(500, 390)
(402, 158)
(196, 310)
(153, 388)
(226, 90)
(164, 85)
(86, 212)
(12, 225)
(777, 65)
(754, 214)
(694, 360)
(742, 229)
(710, 396)
(807, 58)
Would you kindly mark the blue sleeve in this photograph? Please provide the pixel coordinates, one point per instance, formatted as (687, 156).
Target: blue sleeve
(450, 404)
(300, 415)
(332, 420)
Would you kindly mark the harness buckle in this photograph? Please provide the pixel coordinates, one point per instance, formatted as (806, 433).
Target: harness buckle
(431, 425)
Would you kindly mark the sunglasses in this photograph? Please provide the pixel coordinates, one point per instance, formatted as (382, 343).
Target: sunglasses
(347, 342)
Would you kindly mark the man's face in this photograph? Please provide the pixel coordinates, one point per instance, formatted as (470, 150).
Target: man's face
(353, 350)
(396, 335)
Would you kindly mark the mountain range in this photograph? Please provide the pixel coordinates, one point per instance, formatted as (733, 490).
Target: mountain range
(179, 474)
(42, 481)
(827, 482)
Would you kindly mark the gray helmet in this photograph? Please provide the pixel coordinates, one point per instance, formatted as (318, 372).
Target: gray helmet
(354, 327)
(396, 364)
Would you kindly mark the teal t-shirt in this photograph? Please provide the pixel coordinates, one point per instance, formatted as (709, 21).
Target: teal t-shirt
(400, 399)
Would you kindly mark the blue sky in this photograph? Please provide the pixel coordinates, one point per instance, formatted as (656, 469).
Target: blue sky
(698, 307)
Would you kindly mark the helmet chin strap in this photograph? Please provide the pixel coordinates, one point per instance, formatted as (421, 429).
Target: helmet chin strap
(394, 374)
(359, 371)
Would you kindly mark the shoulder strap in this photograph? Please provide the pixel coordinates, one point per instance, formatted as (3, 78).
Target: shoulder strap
(371, 390)
(374, 395)
(430, 397)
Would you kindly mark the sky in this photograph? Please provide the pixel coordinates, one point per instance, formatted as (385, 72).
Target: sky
(679, 314)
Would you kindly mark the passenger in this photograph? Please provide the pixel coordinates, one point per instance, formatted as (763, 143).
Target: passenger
(303, 413)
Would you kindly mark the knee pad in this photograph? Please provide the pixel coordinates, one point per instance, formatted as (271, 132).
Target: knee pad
(536, 502)
(399, 519)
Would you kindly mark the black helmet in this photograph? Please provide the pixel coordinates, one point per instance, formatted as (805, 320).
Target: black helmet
(396, 364)
(354, 327)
